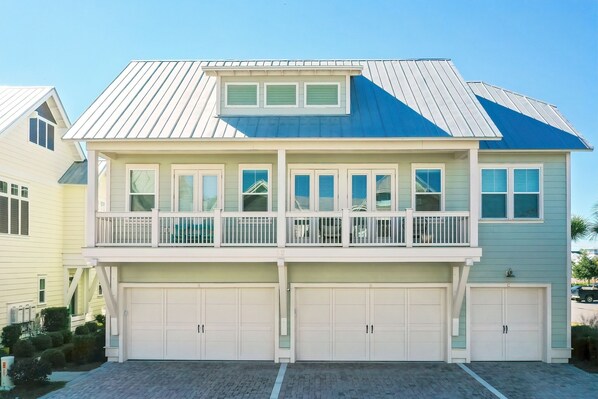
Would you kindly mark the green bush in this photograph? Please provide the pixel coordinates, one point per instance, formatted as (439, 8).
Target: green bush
(67, 336)
(101, 319)
(92, 326)
(100, 343)
(56, 319)
(82, 330)
(23, 348)
(10, 335)
(67, 349)
(55, 357)
(584, 340)
(83, 348)
(57, 338)
(41, 342)
(29, 372)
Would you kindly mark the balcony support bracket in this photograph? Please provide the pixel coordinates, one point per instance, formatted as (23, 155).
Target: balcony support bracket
(282, 288)
(460, 276)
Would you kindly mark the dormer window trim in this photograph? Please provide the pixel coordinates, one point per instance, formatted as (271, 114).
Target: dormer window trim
(266, 84)
(338, 94)
(257, 102)
(49, 134)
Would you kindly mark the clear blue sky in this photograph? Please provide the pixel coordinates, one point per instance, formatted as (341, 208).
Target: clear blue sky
(546, 49)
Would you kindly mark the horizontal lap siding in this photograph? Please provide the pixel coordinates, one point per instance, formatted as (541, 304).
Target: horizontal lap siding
(537, 252)
(456, 170)
(24, 257)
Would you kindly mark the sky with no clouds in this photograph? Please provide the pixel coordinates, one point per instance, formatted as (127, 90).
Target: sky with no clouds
(546, 49)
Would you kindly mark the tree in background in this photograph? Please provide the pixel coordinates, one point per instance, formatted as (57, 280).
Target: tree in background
(585, 268)
(579, 227)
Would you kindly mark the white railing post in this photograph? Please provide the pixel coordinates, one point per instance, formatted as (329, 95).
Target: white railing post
(409, 227)
(155, 232)
(217, 228)
(281, 200)
(474, 197)
(345, 228)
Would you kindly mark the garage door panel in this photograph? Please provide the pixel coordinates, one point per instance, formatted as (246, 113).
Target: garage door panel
(146, 344)
(425, 314)
(181, 344)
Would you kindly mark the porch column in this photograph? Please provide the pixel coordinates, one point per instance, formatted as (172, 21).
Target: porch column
(281, 199)
(92, 198)
(460, 276)
(474, 197)
(282, 290)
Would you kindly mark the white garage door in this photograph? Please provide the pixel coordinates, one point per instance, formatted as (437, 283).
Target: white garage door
(370, 324)
(207, 323)
(507, 323)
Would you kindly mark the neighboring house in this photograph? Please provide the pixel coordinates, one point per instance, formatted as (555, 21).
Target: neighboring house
(42, 212)
(328, 210)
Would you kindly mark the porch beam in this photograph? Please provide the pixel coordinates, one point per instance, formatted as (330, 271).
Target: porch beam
(282, 291)
(73, 286)
(90, 291)
(474, 197)
(92, 198)
(281, 171)
(107, 291)
(462, 273)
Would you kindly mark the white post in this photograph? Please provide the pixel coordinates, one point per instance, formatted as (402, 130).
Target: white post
(155, 227)
(345, 228)
(409, 227)
(474, 197)
(217, 228)
(281, 199)
(92, 198)
(282, 289)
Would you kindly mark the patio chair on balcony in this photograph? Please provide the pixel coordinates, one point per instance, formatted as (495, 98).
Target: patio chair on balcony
(330, 230)
(187, 232)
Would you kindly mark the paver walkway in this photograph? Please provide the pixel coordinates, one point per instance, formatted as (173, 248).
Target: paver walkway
(148, 380)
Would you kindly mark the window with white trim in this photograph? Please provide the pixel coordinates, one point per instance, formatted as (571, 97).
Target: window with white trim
(372, 190)
(314, 190)
(41, 132)
(197, 189)
(322, 95)
(281, 94)
(511, 192)
(41, 289)
(14, 208)
(428, 190)
(142, 187)
(255, 188)
(241, 94)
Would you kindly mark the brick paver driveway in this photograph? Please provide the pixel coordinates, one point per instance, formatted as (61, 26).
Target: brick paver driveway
(147, 380)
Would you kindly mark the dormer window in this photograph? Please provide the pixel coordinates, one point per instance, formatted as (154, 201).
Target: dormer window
(322, 94)
(281, 94)
(242, 94)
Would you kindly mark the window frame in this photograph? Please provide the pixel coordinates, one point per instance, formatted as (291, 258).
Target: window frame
(338, 92)
(153, 167)
(257, 94)
(41, 277)
(506, 193)
(38, 117)
(371, 189)
(281, 84)
(20, 189)
(511, 167)
(198, 170)
(421, 166)
(257, 166)
(314, 188)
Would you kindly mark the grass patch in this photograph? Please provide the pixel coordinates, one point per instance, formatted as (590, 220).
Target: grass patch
(31, 392)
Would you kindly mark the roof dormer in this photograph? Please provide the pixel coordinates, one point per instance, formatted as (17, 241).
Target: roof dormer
(284, 90)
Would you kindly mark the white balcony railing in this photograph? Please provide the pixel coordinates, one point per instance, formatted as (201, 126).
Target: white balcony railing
(240, 229)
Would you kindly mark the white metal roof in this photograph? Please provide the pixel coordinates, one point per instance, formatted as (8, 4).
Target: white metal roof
(392, 98)
(17, 101)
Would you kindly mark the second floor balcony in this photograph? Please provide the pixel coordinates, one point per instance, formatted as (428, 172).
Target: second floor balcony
(300, 229)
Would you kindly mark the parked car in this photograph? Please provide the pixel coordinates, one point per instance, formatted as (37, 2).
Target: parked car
(587, 294)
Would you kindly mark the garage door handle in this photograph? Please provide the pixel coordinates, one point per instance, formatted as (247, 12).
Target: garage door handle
(507, 329)
(366, 328)
(372, 328)
(200, 331)
(503, 329)
(202, 328)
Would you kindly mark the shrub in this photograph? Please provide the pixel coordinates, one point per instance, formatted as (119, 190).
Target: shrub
(92, 326)
(81, 330)
(584, 340)
(67, 349)
(67, 336)
(30, 371)
(23, 348)
(101, 319)
(57, 338)
(100, 343)
(41, 342)
(10, 335)
(83, 348)
(55, 319)
(55, 357)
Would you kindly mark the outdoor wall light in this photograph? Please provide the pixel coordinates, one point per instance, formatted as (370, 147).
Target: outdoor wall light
(509, 273)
